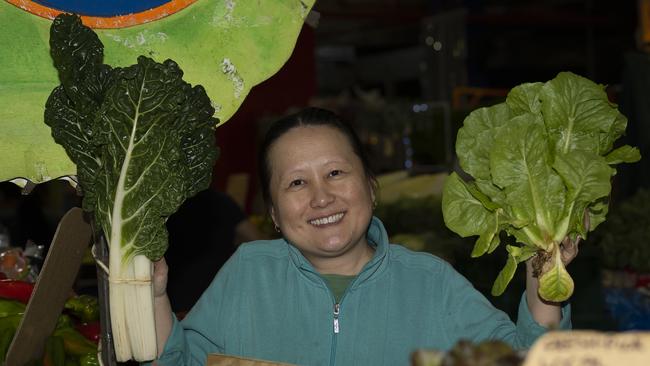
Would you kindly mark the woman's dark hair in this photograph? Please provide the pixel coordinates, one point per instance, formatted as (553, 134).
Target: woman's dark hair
(307, 117)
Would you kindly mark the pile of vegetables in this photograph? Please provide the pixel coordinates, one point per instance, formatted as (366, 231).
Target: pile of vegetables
(539, 169)
(75, 337)
(143, 141)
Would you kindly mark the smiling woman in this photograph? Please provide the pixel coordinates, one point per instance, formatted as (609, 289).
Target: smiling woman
(333, 291)
(321, 197)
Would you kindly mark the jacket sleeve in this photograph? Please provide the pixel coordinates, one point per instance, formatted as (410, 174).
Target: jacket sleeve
(471, 316)
(204, 329)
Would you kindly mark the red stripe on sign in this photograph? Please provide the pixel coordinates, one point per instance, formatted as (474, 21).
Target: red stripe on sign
(121, 21)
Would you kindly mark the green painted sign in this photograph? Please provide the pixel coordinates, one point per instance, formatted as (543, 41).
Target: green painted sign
(227, 46)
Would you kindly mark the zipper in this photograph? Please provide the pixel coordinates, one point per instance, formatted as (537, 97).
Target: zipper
(337, 309)
(336, 318)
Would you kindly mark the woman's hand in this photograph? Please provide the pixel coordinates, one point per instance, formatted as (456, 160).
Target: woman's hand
(547, 313)
(162, 307)
(568, 247)
(160, 271)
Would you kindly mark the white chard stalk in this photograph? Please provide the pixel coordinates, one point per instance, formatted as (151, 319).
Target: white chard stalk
(131, 303)
(131, 306)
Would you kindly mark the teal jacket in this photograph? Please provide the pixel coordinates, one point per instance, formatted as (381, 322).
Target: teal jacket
(269, 303)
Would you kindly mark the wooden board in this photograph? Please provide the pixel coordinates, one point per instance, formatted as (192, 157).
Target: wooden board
(52, 288)
(223, 360)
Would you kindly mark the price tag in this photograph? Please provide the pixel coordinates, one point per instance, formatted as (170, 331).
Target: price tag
(587, 348)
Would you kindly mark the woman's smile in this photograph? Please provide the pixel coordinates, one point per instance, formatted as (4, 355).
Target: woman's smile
(327, 220)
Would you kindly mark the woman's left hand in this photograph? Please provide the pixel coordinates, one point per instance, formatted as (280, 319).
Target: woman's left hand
(568, 247)
(546, 313)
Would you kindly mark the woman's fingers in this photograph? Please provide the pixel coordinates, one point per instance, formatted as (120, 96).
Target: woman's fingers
(160, 270)
(160, 266)
(569, 249)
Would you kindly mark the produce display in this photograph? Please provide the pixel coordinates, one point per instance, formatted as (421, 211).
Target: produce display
(540, 167)
(75, 338)
(143, 141)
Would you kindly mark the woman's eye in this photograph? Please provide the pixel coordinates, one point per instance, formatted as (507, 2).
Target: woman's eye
(335, 172)
(296, 182)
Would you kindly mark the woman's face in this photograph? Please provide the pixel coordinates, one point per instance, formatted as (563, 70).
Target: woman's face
(322, 199)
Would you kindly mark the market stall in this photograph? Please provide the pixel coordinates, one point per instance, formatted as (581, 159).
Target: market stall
(497, 186)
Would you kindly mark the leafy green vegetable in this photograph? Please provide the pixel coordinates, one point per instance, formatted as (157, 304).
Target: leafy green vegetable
(143, 141)
(540, 162)
(72, 107)
(142, 138)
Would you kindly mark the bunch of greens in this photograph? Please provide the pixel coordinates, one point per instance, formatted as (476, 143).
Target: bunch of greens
(143, 142)
(540, 166)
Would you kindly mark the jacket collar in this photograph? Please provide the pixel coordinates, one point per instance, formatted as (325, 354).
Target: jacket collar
(376, 236)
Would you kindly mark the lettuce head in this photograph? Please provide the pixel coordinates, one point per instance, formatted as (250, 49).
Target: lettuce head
(540, 167)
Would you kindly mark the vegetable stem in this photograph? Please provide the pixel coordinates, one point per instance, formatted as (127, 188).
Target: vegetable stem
(117, 293)
(140, 317)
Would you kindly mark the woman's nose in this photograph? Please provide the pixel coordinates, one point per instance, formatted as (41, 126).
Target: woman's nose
(321, 196)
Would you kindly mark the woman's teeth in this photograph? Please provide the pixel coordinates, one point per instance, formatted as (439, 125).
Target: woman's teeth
(327, 220)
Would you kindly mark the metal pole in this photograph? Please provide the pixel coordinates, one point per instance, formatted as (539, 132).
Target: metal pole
(100, 251)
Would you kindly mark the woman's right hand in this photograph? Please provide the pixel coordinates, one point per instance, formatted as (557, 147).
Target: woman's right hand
(162, 307)
(160, 271)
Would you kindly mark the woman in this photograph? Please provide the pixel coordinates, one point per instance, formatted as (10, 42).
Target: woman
(333, 291)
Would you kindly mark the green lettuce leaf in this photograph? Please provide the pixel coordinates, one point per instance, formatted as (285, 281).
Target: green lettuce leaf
(466, 201)
(555, 284)
(516, 255)
(587, 178)
(475, 139)
(465, 214)
(540, 163)
(624, 154)
(520, 165)
(578, 115)
(524, 98)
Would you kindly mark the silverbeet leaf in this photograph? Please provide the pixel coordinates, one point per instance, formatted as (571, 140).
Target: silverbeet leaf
(72, 107)
(142, 138)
